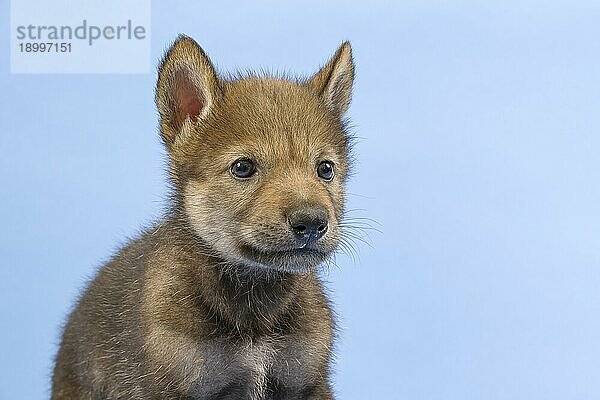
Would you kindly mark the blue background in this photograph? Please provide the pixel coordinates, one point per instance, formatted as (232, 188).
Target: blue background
(478, 155)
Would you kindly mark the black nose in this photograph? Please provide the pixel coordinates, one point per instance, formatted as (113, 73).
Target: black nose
(309, 224)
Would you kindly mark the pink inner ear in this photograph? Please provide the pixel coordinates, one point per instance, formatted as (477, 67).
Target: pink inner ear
(189, 99)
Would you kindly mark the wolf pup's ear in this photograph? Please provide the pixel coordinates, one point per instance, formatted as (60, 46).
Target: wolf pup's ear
(334, 81)
(186, 91)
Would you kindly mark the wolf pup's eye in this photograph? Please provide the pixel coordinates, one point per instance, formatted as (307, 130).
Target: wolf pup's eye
(325, 170)
(243, 168)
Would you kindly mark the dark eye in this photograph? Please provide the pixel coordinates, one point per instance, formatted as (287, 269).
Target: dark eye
(243, 168)
(325, 170)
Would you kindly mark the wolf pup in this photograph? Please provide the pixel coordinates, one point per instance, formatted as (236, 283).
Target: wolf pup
(221, 299)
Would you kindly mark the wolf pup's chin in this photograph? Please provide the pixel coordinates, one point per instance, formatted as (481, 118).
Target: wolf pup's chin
(258, 166)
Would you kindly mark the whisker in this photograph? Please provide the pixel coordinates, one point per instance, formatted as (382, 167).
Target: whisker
(361, 228)
(360, 195)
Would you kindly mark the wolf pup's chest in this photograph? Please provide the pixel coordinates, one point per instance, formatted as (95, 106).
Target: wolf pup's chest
(261, 370)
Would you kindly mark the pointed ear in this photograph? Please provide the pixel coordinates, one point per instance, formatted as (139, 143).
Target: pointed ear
(334, 81)
(187, 89)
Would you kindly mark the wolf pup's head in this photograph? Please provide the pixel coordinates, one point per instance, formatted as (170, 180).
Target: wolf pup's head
(258, 163)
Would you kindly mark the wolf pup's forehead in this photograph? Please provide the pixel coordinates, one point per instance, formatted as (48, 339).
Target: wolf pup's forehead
(268, 111)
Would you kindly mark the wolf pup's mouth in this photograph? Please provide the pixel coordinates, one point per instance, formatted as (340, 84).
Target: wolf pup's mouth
(296, 259)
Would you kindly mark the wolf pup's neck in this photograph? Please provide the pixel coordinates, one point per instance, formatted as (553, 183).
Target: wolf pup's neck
(244, 299)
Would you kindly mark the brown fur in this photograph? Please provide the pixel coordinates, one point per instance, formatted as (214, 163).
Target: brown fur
(218, 301)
